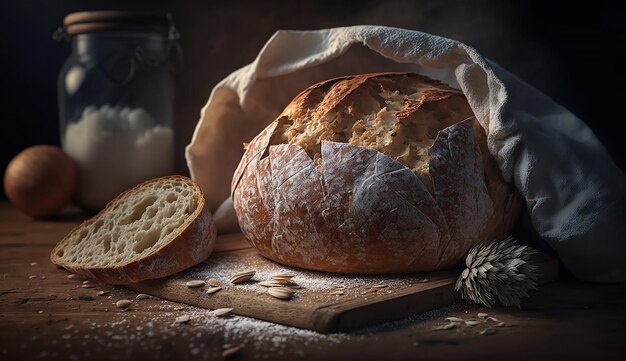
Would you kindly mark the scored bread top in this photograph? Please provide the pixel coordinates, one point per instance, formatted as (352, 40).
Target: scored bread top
(397, 114)
(138, 226)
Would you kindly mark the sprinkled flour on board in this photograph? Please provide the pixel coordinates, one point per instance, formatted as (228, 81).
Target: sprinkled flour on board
(223, 265)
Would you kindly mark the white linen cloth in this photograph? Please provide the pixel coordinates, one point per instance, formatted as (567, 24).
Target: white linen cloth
(575, 194)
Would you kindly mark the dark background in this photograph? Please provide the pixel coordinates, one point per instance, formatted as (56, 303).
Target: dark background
(575, 54)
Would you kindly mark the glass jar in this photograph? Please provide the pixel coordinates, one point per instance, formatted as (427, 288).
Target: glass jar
(116, 98)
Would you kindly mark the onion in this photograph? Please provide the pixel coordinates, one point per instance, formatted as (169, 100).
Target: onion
(40, 180)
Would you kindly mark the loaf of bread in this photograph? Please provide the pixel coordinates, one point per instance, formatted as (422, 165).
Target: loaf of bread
(153, 230)
(372, 173)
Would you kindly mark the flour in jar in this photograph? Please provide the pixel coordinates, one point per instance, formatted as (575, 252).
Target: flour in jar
(115, 149)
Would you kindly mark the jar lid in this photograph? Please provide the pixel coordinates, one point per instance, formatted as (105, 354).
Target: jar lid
(117, 22)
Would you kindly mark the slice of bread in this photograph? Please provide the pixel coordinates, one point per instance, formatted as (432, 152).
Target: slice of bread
(153, 230)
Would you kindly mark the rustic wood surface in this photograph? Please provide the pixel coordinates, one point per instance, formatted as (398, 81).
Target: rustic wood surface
(45, 315)
(314, 306)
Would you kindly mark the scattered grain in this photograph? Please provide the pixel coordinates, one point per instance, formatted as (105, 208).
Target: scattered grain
(282, 293)
(195, 283)
(214, 282)
(283, 278)
(220, 312)
(182, 319)
(231, 352)
(446, 326)
(242, 277)
(142, 296)
(123, 303)
(271, 283)
(212, 290)
(283, 275)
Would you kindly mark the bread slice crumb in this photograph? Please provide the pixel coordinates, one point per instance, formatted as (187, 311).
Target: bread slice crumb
(136, 225)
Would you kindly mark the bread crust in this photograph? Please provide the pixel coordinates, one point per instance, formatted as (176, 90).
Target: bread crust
(192, 245)
(353, 209)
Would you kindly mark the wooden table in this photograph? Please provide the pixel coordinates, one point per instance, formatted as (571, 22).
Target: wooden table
(46, 315)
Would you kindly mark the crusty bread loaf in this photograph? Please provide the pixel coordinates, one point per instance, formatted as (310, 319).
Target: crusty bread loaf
(153, 230)
(373, 173)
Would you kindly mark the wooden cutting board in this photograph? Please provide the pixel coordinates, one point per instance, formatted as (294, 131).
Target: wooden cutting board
(317, 304)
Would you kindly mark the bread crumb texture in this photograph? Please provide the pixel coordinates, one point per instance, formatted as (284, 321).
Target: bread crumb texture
(133, 226)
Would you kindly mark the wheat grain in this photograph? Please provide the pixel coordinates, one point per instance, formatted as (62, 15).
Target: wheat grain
(195, 284)
(271, 283)
(446, 326)
(220, 312)
(123, 303)
(212, 290)
(182, 319)
(283, 275)
(282, 293)
(230, 352)
(242, 277)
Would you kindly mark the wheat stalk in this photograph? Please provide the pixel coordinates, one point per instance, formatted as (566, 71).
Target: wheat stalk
(498, 271)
